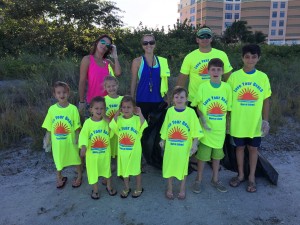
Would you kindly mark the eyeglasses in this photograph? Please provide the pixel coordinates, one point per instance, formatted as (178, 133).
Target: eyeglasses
(148, 42)
(204, 37)
(103, 42)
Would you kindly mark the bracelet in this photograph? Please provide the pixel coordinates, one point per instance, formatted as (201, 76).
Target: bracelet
(81, 102)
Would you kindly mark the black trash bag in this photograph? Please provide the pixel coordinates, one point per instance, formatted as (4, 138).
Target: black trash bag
(263, 167)
(151, 138)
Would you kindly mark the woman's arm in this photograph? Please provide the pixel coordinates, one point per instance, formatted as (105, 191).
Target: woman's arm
(134, 74)
(116, 65)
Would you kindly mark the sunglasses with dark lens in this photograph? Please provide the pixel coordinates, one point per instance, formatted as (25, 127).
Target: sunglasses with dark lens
(103, 42)
(204, 37)
(148, 42)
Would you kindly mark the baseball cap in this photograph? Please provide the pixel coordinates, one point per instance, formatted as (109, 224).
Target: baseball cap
(204, 31)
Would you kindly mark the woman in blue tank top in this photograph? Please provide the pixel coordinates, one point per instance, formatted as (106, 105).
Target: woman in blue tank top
(146, 78)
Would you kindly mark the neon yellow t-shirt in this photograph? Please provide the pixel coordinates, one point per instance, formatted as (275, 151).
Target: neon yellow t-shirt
(214, 104)
(178, 130)
(195, 65)
(129, 132)
(95, 136)
(62, 124)
(248, 93)
(112, 105)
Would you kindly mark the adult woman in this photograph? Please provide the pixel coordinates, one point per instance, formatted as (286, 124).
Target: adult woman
(149, 85)
(149, 81)
(95, 67)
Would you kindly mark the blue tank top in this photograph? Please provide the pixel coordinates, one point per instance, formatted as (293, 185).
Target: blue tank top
(149, 79)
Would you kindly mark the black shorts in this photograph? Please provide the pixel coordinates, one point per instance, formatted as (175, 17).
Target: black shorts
(254, 142)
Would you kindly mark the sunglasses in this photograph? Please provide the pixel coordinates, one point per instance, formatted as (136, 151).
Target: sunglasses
(204, 37)
(148, 42)
(103, 42)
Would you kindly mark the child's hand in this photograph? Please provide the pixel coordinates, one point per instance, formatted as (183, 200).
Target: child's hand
(47, 142)
(265, 128)
(162, 146)
(83, 151)
(194, 148)
(204, 124)
(81, 107)
(138, 111)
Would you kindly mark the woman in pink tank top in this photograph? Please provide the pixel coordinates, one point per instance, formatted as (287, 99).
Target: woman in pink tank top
(94, 68)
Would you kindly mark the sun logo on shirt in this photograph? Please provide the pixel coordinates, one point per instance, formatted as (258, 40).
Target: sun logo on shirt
(126, 140)
(247, 94)
(203, 70)
(111, 114)
(99, 143)
(61, 130)
(177, 134)
(216, 109)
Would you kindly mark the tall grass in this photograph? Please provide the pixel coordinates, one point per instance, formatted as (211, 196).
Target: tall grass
(24, 104)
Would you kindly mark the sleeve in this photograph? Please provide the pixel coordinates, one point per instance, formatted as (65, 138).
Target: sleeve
(267, 87)
(113, 126)
(227, 65)
(230, 81)
(196, 128)
(185, 67)
(84, 136)
(76, 121)
(229, 98)
(164, 128)
(198, 98)
(47, 124)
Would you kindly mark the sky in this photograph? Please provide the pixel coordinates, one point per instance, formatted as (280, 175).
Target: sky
(152, 13)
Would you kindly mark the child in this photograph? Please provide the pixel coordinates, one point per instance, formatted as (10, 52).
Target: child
(129, 129)
(62, 123)
(250, 112)
(112, 101)
(94, 141)
(212, 100)
(179, 136)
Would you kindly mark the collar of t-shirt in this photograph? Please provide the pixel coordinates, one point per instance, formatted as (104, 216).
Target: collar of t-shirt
(251, 72)
(179, 110)
(215, 85)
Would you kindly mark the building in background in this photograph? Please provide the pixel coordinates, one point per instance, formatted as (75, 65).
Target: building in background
(278, 19)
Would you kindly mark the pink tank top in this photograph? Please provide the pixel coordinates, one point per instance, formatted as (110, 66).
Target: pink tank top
(95, 78)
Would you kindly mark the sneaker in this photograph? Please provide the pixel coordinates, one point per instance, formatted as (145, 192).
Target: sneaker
(219, 186)
(197, 187)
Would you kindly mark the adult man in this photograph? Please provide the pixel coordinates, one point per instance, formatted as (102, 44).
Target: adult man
(195, 63)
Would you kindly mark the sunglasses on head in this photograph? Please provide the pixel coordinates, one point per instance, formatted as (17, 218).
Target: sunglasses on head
(204, 37)
(148, 42)
(103, 42)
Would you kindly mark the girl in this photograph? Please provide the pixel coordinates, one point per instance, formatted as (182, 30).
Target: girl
(129, 129)
(179, 137)
(94, 141)
(112, 101)
(62, 123)
(95, 67)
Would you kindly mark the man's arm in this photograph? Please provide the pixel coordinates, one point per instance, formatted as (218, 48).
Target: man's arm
(181, 80)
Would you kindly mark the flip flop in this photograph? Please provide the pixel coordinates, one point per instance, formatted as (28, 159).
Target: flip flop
(251, 188)
(137, 193)
(62, 183)
(97, 195)
(235, 182)
(111, 192)
(125, 193)
(76, 184)
(181, 196)
(169, 195)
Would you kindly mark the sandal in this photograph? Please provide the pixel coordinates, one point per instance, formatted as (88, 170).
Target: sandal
(251, 187)
(181, 196)
(62, 183)
(235, 181)
(137, 193)
(95, 195)
(169, 195)
(125, 193)
(76, 183)
(111, 192)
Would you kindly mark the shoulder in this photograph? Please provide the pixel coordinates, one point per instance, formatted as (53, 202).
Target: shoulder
(219, 52)
(137, 61)
(86, 59)
(262, 74)
(192, 53)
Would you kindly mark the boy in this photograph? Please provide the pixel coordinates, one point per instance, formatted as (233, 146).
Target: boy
(213, 100)
(250, 108)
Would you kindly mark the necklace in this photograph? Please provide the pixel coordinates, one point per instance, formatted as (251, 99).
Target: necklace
(150, 75)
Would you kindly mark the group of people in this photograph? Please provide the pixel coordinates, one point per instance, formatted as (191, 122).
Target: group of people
(195, 123)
